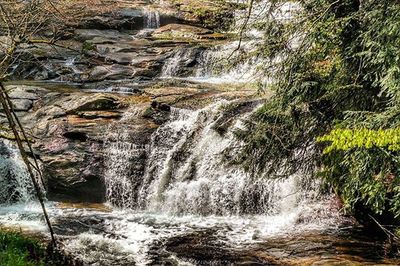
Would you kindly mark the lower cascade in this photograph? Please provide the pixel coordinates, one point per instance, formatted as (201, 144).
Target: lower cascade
(182, 170)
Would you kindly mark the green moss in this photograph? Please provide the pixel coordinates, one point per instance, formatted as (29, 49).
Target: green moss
(88, 47)
(148, 113)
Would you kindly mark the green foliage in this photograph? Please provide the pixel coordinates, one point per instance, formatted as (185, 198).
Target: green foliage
(16, 250)
(88, 47)
(347, 139)
(339, 83)
(364, 176)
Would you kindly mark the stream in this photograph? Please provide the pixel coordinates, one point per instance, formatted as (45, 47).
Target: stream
(169, 196)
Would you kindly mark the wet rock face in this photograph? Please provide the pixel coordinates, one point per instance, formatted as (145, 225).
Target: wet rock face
(123, 52)
(15, 184)
(129, 19)
(70, 142)
(73, 130)
(68, 132)
(4, 151)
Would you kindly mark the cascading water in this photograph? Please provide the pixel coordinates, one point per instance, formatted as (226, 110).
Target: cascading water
(221, 65)
(151, 19)
(15, 183)
(228, 63)
(178, 184)
(172, 199)
(180, 63)
(70, 63)
(123, 162)
(184, 172)
(213, 65)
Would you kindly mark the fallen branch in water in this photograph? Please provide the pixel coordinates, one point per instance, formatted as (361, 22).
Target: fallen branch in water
(386, 231)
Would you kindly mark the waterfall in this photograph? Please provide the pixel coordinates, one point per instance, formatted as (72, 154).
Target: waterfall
(184, 172)
(15, 183)
(123, 161)
(151, 19)
(70, 63)
(216, 65)
(180, 63)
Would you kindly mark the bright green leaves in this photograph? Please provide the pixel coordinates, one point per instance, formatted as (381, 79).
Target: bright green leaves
(347, 139)
(363, 165)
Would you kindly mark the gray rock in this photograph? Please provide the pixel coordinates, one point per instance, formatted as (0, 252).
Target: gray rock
(113, 72)
(97, 102)
(181, 31)
(23, 92)
(113, 48)
(19, 105)
(131, 13)
(54, 112)
(121, 58)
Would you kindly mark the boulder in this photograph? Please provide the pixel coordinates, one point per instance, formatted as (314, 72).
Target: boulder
(75, 176)
(23, 92)
(23, 105)
(100, 114)
(121, 58)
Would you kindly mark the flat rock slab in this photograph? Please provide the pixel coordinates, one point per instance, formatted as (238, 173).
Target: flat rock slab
(23, 92)
(96, 102)
(89, 34)
(180, 31)
(121, 58)
(100, 114)
(113, 72)
(22, 104)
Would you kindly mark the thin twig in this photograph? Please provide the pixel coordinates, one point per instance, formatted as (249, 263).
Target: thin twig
(386, 231)
(243, 28)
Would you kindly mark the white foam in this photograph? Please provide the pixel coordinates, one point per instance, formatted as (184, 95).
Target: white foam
(15, 182)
